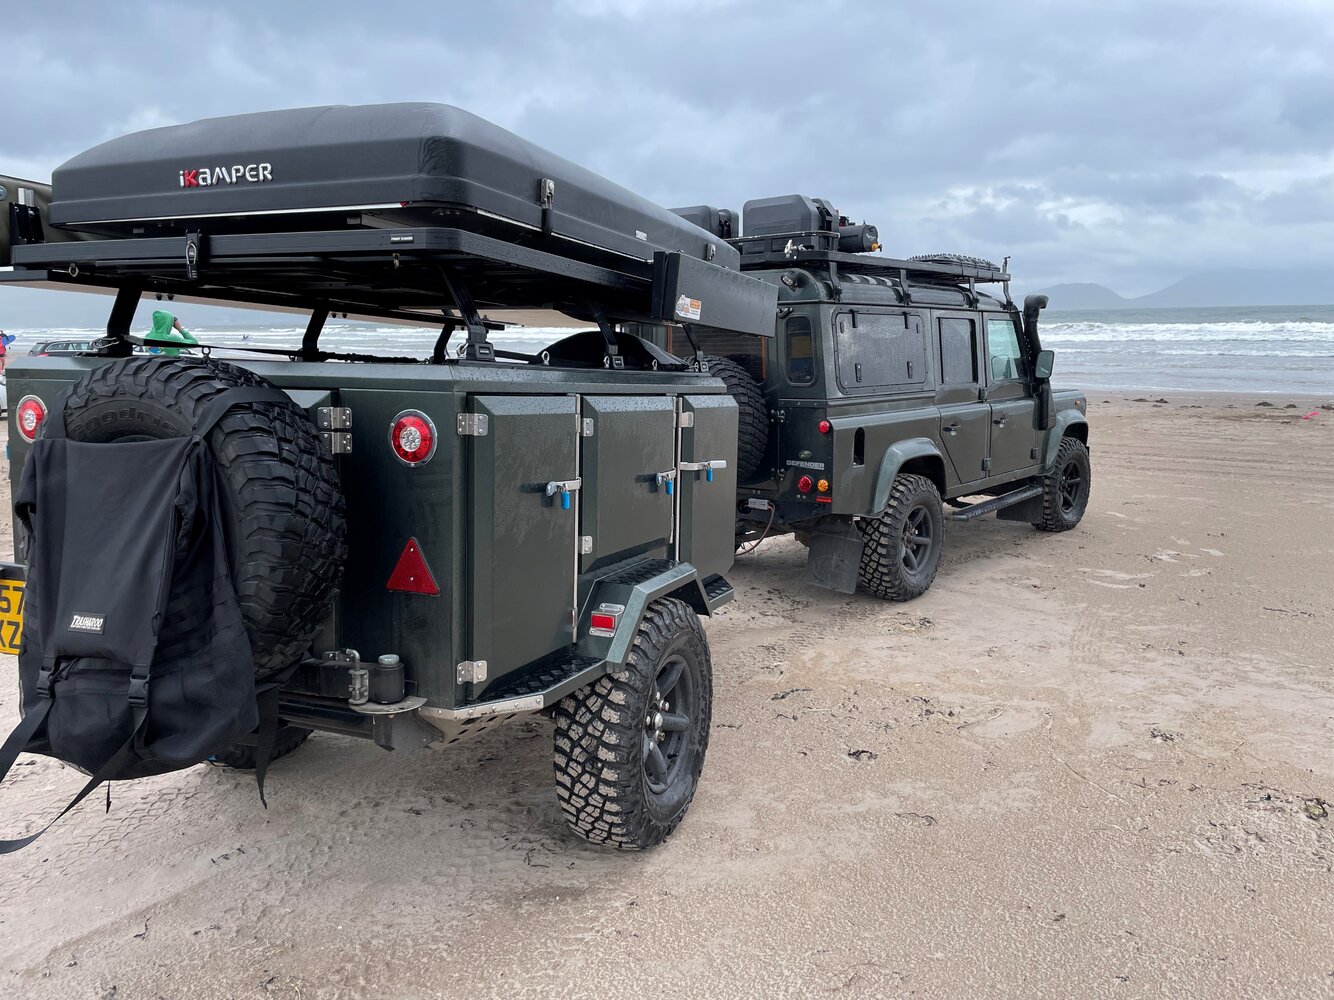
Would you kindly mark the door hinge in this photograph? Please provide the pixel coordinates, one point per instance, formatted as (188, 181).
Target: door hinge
(334, 418)
(471, 672)
(986, 465)
(336, 442)
(1032, 453)
(685, 420)
(472, 424)
(586, 427)
(585, 545)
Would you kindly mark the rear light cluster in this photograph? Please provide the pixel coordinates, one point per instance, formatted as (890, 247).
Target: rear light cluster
(28, 417)
(412, 437)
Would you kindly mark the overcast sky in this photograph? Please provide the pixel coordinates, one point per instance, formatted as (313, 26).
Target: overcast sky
(1125, 143)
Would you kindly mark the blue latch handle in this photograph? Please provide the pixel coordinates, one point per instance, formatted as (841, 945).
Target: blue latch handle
(564, 499)
(671, 483)
(708, 475)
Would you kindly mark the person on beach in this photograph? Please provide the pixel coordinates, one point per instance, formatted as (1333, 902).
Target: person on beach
(167, 329)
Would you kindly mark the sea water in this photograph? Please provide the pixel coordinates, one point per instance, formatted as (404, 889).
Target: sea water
(1239, 349)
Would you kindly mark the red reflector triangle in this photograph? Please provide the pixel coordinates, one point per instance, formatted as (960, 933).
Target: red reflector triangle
(412, 575)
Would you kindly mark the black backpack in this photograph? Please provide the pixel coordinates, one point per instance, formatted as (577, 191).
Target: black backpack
(135, 660)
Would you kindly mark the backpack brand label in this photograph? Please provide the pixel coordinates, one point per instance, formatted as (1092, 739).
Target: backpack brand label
(87, 623)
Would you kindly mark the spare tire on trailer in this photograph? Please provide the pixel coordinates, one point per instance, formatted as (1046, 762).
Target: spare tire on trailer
(753, 419)
(281, 491)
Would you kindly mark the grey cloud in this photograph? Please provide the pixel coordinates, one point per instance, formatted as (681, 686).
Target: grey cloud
(1099, 141)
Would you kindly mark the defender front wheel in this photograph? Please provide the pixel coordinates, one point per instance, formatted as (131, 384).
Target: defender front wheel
(1065, 491)
(903, 545)
(630, 747)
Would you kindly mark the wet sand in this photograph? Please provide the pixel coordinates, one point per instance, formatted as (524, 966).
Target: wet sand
(1092, 764)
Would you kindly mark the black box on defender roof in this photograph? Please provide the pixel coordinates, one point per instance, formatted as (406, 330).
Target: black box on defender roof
(376, 165)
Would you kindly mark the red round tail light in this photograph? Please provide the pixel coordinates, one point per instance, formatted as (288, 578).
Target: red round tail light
(412, 437)
(804, 484)
(825, 426)
(28, 417)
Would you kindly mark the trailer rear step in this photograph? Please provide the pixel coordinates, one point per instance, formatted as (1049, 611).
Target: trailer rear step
(977, 510)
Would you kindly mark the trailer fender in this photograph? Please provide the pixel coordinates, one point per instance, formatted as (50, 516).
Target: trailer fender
(633, 596)
(922, 452)
(1063, 424)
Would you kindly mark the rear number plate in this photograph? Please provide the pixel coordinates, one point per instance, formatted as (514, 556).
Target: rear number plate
(11, 614)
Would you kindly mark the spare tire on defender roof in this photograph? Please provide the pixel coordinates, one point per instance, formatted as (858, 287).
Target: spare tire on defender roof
(280, 489)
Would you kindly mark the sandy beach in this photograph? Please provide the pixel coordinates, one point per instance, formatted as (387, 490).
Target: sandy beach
(1085, 765)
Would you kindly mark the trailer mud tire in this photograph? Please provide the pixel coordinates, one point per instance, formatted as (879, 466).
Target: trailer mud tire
(242, 756)
(1065, 492)
(629, 748)
(282, 497)
(752, 442)
(903, 545)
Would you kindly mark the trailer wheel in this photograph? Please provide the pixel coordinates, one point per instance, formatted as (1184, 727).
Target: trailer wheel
(752, 439)
(281, 491)
(630, 747)
(242, 756)
(904, 543)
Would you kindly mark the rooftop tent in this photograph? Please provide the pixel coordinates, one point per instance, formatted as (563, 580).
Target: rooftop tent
(396, 211)
(393, 164)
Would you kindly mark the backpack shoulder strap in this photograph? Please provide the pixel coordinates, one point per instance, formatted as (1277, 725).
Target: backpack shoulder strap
(114, 765)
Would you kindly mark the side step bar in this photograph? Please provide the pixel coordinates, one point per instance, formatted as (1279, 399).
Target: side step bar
(977, 510)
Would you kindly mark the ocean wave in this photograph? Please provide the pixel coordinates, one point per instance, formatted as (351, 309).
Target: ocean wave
(1234, 332)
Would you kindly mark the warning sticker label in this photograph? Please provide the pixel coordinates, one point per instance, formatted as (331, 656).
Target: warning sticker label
(687, 308)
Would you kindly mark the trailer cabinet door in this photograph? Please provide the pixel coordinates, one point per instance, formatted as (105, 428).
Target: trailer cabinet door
(708, 509)
(522, 558)
(626, 510)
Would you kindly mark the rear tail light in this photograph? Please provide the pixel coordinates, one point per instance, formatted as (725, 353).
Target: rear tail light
(825, 426)
(28, 417)
(412, 437)
(804, 484)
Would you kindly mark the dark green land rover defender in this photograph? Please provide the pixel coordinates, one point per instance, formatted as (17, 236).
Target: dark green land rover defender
(891, 386)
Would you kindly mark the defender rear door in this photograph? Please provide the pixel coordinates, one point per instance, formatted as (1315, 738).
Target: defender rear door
(964, 416)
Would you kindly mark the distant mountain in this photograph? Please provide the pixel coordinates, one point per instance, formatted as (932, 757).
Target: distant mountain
(1224, 287)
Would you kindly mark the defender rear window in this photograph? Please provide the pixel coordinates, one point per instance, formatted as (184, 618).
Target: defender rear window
(879, 350)
(958, 351)
(800, 351)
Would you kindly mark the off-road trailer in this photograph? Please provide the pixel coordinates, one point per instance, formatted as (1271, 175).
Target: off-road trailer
(523, 533)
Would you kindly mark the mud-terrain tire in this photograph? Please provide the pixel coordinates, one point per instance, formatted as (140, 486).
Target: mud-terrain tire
(613, 788)
(242, 756)
(1065, 490)
(752, 439)
(281, 494)
(903, 545)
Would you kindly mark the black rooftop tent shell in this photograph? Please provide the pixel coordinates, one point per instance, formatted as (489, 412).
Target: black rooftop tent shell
(395, 211)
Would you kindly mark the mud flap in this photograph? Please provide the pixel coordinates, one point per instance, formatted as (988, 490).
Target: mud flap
(835, 558)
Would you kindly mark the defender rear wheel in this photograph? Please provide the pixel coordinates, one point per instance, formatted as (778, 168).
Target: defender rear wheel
(1065, 490)
(903, 545)
(630, 747)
